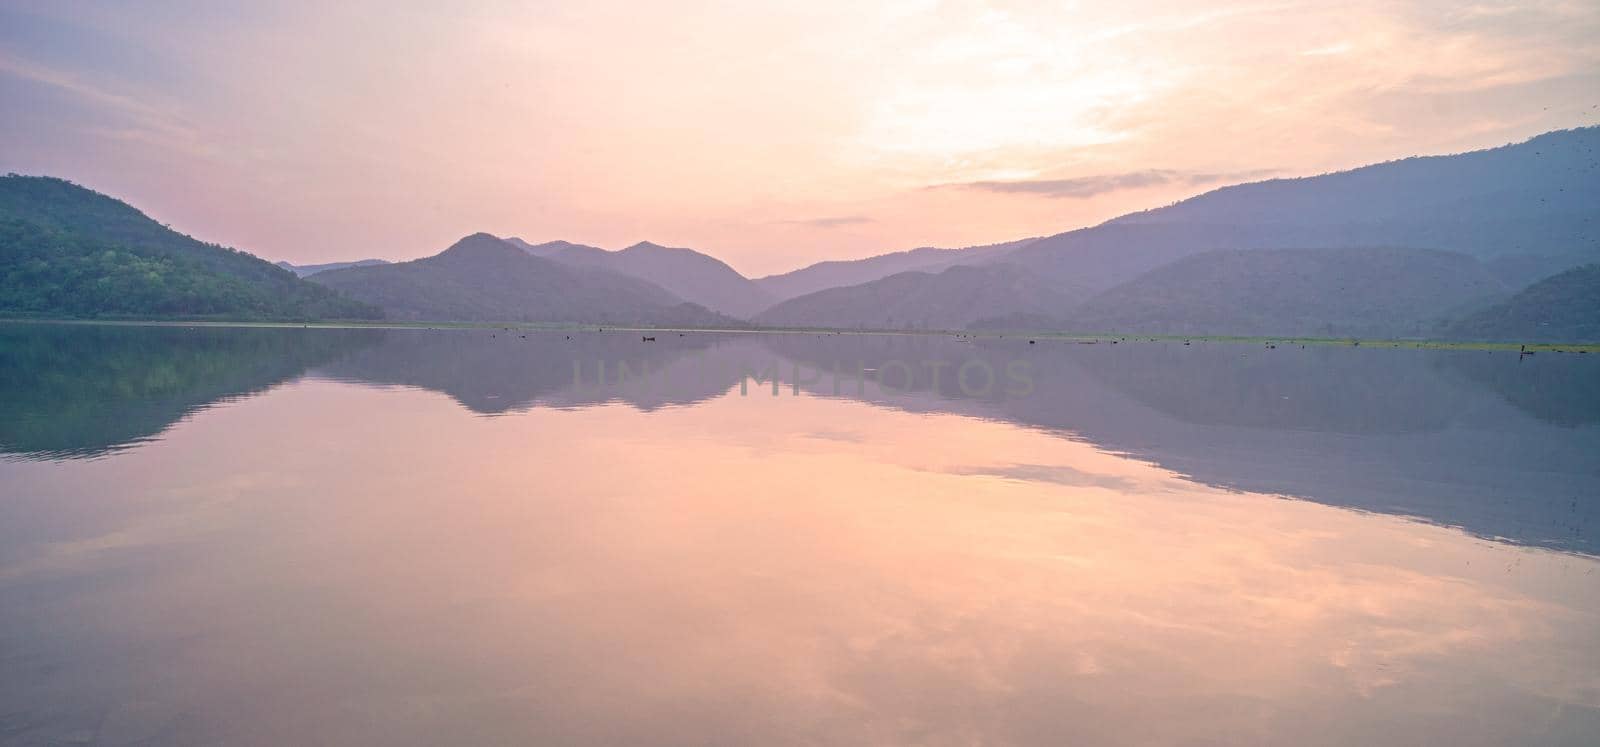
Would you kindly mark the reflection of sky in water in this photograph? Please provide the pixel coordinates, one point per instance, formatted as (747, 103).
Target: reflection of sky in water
(338, 563)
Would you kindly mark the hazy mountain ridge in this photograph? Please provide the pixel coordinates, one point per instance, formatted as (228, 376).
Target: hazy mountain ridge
(482, 278)
(1561, 308)
(846, 272)
(952, 298)
(1532, 199)
(309, 270)
(1557, 168)
(1369, 292)
(546, 249)
(1524, 210)
(1363, 292)
(693, 276)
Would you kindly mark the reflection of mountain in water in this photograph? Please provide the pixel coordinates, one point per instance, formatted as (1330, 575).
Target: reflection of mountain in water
(492, 372)
(1356, 391)
(1506, 450)
(84, 390)
(1474, 439)
(1560, 389)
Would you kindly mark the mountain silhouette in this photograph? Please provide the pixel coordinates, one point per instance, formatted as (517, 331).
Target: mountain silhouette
(1392, 249)
(690, 275)
(482, 278)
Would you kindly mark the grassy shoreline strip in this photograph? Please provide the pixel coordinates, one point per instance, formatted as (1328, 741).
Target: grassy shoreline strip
(965, 334)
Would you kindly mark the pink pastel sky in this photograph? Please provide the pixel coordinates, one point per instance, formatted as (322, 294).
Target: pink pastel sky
(771, 134)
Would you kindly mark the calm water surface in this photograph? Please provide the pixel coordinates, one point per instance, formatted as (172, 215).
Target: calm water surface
(270, 537)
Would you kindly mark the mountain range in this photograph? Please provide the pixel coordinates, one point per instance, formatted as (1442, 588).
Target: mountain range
(1455, 246)
(692, 276)
(484, 278)
(308, 270)
(1342, 292)
(1521, 211)
(951, 298)
(840, 273)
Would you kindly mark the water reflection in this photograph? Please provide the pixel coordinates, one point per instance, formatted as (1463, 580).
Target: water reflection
(1499, 445)
(72, 391)
(492, 372)
(342, 564)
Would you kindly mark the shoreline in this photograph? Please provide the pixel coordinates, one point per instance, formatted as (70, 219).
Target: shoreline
(1075, 337)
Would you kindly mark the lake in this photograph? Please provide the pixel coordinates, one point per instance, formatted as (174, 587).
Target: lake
(268, 536)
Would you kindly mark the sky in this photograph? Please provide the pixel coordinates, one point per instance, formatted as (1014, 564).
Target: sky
(771, 134)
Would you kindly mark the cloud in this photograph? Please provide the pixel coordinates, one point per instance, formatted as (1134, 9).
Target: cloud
(1248, 175)
(836, 221)
(132, 121)
(148, 115)
(1083, 187)
(1052, 473)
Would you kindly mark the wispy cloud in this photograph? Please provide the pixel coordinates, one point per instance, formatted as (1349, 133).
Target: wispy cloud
(1082, 187)
(1198, 178)
(1051, 473)
(835, 221)
(136, 121)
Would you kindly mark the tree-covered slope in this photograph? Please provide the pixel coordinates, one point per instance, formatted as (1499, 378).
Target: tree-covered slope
(69, 251)
(1561, 308)
(1373, 292)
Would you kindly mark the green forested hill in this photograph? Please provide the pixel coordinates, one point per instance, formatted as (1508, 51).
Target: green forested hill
(69, 251)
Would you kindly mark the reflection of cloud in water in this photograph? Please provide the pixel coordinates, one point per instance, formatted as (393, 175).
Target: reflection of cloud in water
(1051, 473)
(517, 582)
(1393, 431)
(717, 573)
(835, 434)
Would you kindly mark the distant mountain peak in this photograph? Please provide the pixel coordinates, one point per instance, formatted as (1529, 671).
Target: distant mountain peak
(481, 244)
(689, 274)
(548, 248)
(484, 278)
